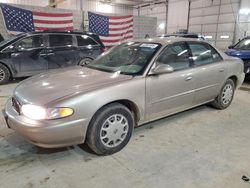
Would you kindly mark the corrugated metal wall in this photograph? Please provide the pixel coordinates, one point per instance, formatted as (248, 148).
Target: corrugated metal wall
(215, 19)
(243, 24)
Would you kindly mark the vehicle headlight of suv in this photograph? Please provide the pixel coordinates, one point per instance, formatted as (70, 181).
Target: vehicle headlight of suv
(40, 113)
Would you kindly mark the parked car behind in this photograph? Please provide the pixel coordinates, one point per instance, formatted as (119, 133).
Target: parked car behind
(242, 51)
(184, 35)
(32, 53)
(131, 84)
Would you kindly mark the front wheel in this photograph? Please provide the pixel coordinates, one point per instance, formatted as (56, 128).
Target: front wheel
(110, 129)
(225, 98)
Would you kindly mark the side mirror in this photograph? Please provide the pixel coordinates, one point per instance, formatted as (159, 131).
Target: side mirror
(10, 49)
(231, 47)
(162, 69)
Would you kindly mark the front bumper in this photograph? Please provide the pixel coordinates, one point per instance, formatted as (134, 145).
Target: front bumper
(47, 133)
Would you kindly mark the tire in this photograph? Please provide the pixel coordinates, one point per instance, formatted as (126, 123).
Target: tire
(4, 74)
(85, 61)
(110, 129)
(225, 98)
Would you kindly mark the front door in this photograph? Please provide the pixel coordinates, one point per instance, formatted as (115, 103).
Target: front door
(28, 55)
(171, 92)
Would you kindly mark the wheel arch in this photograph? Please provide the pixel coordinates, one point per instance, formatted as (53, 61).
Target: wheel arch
(127, 103)
(8, 67)
(235, 80)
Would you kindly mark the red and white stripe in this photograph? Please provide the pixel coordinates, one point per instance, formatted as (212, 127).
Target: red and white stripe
(120, 30)
(52, 21)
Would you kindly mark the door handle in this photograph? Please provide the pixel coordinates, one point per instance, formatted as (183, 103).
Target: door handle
(221, 70)
(189, 78)
(49, 54)
(42, 55)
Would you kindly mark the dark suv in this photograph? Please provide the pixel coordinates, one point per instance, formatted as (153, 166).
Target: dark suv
(32, 53)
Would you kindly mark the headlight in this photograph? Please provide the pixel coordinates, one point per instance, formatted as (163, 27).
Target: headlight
(40, 113)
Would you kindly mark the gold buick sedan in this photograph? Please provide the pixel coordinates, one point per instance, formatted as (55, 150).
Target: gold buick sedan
(131, 84)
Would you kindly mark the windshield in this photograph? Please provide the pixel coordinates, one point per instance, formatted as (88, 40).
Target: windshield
(243, 45)
(129, 58)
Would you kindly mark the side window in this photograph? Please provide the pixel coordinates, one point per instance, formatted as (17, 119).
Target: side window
(35, 41)
(176, 56)
(84, 40)
(60, 40)
(201, 54)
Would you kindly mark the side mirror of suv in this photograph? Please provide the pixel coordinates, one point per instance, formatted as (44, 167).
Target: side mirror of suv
(10, 48)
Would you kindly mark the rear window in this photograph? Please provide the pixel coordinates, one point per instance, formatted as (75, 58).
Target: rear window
(60, 40)
(85, 40)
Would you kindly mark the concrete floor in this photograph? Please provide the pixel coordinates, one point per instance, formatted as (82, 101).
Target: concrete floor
(202, 148)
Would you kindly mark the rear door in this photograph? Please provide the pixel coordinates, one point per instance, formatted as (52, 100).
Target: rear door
(28, 55)
(209, 71)
(62, 51)
(88, 47)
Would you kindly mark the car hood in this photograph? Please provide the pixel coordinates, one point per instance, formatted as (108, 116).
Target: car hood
(243, 54)
(48, 87)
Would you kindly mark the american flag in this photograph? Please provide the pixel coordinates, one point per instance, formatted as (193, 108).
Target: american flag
(19, 20)
(112, 29)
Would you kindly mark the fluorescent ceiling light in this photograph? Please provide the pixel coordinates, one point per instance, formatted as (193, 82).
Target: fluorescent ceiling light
(224, 37)
(208, 37)
(105, 8)
(162, 26)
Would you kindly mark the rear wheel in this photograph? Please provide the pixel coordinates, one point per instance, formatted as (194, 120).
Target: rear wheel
(4, 74)
(110, 129)
(85, 61)
(224, 99)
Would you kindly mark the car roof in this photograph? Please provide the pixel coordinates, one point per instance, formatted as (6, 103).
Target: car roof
(61, 32)
(168, 40)
(247, 37)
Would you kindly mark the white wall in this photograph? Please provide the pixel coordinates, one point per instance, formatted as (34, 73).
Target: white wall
(87, 5)
(42, 3)
(177, 15)
(158, 11)
(96, 6)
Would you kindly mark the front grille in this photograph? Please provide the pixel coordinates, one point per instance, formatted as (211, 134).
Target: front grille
(16, 105)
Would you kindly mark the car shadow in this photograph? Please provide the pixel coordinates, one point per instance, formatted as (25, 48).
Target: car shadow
(17, 80)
